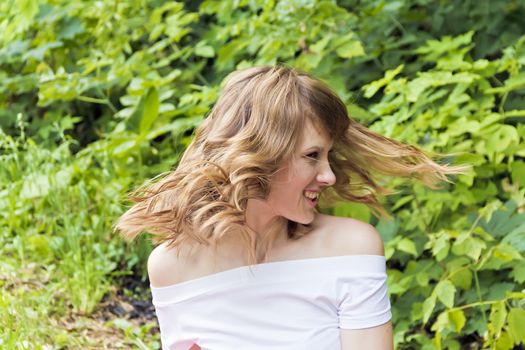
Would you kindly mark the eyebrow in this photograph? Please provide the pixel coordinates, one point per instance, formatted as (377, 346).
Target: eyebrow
(318, 148)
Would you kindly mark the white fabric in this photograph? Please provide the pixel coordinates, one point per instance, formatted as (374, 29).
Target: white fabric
(295, 304)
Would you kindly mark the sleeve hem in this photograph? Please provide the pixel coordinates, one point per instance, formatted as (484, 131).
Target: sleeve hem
(365, 323)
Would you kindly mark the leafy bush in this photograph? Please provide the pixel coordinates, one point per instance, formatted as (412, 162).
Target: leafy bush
(461, 246)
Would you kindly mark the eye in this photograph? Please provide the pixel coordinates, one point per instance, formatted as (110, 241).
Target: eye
(313, 155)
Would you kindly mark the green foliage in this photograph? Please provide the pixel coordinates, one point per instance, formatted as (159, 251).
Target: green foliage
(453, 108)
(96, 96)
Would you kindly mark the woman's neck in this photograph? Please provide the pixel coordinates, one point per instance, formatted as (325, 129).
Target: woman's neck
(259, 215)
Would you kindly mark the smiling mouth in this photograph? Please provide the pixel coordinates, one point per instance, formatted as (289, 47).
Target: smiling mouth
(312, 197)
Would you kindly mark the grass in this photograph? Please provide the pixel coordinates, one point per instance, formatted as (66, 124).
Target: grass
(59, 255)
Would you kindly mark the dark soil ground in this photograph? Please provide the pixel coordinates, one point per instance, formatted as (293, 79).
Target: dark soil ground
(128, 300)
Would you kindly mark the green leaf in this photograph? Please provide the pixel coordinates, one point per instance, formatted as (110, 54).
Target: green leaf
(38, 53)
(458, 319)
(518, 273)
(134, 120)
(516, 322)
(503, 220)
(445, 291)
(145, 113)
(516, 238)
(388, 228)
(16, 48)
(402, 201)
(320, 45)
(515, 295)
(518, 173)
(70, 28)
(441, 246)
(354, 210)
(499, 290)
(371, 88)
(504, 342)
(350, 49)
(502, 138)
(422, 278)
(177, 127)
(434, 49)
(203, 50)
(469, 246)
(124, 147)
(441, 323)
(27, 9)
(407, 245)
(463, 126)
(360, 114)
(498, 314)
(506, 252)
(228, 52)
(462, 279)
(428, 307)
(151, 110)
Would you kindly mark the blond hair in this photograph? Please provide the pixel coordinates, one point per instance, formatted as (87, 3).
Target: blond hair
(252, 129)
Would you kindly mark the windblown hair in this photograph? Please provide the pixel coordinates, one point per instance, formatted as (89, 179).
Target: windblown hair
(253, 128)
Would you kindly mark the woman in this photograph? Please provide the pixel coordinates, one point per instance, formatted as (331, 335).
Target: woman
(245, 261)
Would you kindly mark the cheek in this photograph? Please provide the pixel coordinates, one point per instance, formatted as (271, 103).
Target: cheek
(290, 184)
(290, 190)
(304, 175)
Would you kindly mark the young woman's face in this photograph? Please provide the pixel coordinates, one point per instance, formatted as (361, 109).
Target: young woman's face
(295, 188)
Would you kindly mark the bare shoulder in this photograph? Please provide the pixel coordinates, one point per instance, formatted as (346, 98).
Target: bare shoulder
(347, 236)
(167, 266)
(171, 265)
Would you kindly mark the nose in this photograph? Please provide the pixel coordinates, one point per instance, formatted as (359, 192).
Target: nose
(325, 175)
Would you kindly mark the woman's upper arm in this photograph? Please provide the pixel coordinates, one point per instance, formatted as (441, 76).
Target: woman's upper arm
(165, 267)
(374, 338)
(373, 298)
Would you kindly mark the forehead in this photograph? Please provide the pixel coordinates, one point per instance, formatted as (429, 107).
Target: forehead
(315, 135)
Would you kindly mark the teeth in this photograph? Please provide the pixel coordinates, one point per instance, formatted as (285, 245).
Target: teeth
(311, 195)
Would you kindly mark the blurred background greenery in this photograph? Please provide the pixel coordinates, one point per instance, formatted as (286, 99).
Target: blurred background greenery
(97, 96)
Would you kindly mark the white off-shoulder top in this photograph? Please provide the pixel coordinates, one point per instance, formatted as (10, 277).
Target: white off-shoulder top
(292, 305)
